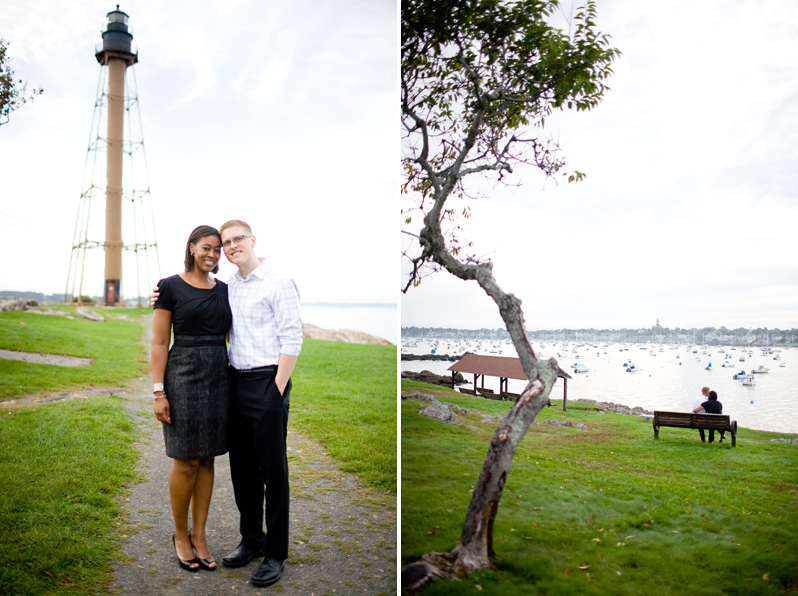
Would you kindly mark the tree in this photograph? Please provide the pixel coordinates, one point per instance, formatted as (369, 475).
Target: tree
(12, 96)
(479, 79)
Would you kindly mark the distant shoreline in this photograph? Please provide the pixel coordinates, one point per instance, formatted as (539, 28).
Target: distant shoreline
(351, 304)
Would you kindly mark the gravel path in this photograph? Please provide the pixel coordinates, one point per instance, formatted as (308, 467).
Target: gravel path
(342, 540)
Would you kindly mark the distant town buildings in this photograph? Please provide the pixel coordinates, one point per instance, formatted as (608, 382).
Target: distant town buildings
(656, 334)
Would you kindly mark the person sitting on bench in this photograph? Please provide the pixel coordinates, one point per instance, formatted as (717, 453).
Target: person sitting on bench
(712, 406)
(700, 410)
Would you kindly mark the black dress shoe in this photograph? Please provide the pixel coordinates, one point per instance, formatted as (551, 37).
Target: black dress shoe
(241, 556)
(268, 572)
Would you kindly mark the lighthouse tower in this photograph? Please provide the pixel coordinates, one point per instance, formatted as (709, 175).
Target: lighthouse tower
(116, 55)
(128, 207)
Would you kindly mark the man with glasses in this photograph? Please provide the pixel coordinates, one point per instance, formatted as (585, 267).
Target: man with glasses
(265, 341)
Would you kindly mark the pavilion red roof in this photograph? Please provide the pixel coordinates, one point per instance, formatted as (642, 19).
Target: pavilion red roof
(495, 366)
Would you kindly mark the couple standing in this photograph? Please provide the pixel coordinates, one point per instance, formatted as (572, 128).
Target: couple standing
(707, 403)
(209, 408)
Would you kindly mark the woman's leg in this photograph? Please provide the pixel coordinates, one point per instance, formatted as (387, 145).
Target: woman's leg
(200, 504)
(182, 482)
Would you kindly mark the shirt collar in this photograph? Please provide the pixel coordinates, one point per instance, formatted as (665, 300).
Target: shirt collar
(259, 271)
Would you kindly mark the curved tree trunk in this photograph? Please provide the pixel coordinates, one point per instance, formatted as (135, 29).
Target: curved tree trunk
(476, 542)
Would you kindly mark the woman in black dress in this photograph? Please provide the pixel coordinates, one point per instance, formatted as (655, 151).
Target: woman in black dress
(191, 387)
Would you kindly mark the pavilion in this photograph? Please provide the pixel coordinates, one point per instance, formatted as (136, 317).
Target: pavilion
(498, 366)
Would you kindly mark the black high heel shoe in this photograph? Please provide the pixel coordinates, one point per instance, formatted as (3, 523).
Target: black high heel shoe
(204, 563)
(187, 565)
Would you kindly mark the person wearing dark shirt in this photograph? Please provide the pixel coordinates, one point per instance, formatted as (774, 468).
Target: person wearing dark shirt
(712, 406)
(191, 388)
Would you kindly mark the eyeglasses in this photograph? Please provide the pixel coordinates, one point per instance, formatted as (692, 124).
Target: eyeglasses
(236, 240)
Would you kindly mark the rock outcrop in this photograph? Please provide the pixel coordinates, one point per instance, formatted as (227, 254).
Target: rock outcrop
(426, 376)
(89, 314)
(345, 335)
(579, 425)
(7, 304)
(608, 406)
(433, 357)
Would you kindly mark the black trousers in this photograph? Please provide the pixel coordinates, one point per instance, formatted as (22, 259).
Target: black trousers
(258, 461)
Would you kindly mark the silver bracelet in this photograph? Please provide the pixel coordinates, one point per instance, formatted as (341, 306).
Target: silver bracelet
(157, 387)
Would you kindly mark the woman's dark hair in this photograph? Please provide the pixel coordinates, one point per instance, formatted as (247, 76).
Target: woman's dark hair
(198, 233)
(713, 396)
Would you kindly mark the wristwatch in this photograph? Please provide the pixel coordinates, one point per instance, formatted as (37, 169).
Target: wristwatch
(157, 387)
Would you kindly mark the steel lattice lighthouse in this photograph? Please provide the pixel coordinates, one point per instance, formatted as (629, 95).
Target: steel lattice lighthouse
(116, 54)
(116, 130)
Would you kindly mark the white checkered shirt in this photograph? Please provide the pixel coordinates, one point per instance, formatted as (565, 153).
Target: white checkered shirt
(266, 318)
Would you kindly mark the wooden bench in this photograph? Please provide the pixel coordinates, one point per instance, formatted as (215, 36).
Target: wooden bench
(467, 391)
(697, 421)
(510, 396)
(489, 394)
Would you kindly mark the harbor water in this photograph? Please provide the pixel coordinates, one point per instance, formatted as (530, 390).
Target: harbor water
(669, 377)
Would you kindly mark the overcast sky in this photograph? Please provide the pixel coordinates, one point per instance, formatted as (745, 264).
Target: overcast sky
(689, 211)
(280, 113)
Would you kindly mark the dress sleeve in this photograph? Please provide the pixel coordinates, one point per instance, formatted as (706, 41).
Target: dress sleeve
(166, 299)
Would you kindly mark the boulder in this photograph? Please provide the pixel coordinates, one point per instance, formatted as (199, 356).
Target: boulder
(439, 411)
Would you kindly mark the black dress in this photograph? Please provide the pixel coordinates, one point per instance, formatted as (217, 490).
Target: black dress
(196, 381)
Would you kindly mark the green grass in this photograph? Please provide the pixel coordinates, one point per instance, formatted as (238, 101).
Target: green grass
(116, 345)
(668, 516)
(62, 472)
(345, 396)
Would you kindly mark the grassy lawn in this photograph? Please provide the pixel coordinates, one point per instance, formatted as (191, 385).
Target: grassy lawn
(63, 472)
(608, 510)
(345, 397)
(64, 466)
(116, 345)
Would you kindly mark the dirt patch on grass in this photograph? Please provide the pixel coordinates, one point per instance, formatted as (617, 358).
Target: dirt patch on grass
(39, 358)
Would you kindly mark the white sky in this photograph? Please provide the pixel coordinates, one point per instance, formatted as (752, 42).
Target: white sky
(280, 113)
(689, 212)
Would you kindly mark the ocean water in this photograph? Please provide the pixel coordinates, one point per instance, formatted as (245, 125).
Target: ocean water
(668, 379)
(379, 320)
